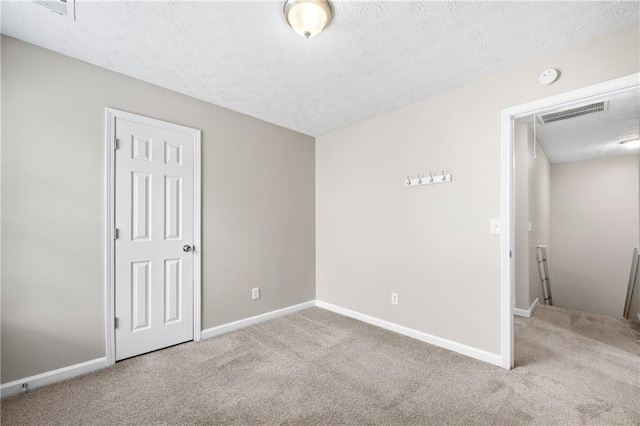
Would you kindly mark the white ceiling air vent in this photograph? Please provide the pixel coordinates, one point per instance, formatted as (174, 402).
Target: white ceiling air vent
(573, 112)
(61, 7)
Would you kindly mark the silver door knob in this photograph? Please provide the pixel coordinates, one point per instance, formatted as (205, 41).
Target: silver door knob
(187, 248)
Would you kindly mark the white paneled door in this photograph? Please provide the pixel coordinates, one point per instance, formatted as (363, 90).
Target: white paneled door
(154, 257)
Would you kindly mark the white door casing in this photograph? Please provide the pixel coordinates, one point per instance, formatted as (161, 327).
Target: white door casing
(153, 257)
(507, 195)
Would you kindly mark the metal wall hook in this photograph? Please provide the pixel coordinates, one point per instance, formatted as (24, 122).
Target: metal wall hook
(445, 177)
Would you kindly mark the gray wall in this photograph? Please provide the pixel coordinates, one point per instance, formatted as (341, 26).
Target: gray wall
(532, 206)
(257, 219)
(594, 228)
(539, 214)
(634, 309)
(432, 243)
(521, 216)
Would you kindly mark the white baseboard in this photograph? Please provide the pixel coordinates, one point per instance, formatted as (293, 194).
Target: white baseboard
(526, 312)
(71, 371)
(53, 376)
(469, 351)
(225, 328)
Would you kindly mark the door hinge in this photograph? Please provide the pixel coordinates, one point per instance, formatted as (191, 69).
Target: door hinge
(115, 144)
(116, 322)
(115, 233)
(509, 254)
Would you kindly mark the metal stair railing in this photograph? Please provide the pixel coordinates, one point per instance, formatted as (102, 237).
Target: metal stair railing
(543, 268)
(632, 282)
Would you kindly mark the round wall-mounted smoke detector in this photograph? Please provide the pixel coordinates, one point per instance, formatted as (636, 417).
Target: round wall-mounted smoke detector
(548, 76)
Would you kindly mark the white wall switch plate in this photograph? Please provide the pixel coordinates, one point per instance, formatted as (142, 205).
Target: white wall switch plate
(495, 226)
(530, 226)
(255, 293)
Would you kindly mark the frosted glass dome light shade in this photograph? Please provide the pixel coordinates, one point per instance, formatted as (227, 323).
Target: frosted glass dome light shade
(307, 17)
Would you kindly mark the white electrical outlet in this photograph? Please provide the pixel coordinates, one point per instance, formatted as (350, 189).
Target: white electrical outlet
(394, 298)
(255, 293)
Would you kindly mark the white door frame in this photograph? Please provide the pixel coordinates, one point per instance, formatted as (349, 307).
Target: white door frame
(509, 115)
(110, 120)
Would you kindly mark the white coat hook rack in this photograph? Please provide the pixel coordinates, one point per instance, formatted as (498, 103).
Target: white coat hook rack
(442, 177)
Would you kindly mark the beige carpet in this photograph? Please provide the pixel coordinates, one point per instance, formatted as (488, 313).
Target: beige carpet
(316, 367)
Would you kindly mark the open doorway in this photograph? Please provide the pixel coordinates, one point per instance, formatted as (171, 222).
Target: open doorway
(584, 218)
(577, 202)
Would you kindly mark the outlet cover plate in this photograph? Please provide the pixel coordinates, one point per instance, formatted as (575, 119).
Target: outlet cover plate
(394, 298)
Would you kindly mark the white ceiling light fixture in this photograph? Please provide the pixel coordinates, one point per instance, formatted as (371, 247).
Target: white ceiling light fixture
(631, 143)
(307, 17)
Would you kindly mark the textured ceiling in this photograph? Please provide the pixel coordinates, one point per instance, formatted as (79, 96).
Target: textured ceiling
(591, 136)
(375, 56)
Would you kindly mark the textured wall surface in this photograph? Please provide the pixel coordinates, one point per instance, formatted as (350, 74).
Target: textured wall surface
(257, 207)
(432, 243)
(594, 228)
(374, 57)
